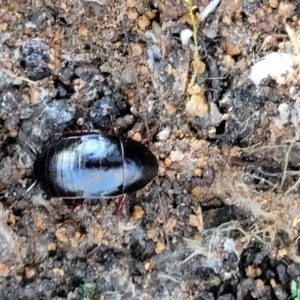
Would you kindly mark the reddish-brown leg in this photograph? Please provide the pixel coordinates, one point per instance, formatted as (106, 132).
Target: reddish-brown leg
(120, 204)
(74, 204)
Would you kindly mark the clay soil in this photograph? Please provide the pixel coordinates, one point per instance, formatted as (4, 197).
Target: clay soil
(221, 219)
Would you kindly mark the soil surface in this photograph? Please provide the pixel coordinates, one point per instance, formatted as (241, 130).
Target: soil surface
(221, 219)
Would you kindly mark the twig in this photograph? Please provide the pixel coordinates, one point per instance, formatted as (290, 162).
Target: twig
(162, 214)
(136, 82)
(262, 179)
(294, 187)
(286, 163)
(13, 75)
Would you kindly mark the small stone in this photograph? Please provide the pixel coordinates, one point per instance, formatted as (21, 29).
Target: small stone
(144, 22)
(137, 137)
(29, 272)
(196, 191)
(13, 133)
(170, 108)
(160, 247)
(250, 272)
(153, 233)
(286, 10)
(177, 156)
(4, 270)
(11, 218)
(127, 75)
(146, 296)
(137, 49)
(35, 95)
(58, 271)
(61, 235)
(137, 213)
(51, 247)
(161, 168)
(131, 3)
(226, 20)
(164, 134)
(98, 236)
(282, 253)
(132, 14)
(293, 270)
(229, 61)
(194, 221)
(147, 266)
(118, 44)
(168, 161)
(3, 26)
(198, 172)
(83, 31)
(258, 271)
(77, 235)
(231, 49)
(273, 3)
(39, 222)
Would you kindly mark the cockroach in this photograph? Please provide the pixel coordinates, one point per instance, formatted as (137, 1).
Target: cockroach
(93, 165)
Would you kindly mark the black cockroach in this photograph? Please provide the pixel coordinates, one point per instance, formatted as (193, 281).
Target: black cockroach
(93, 165)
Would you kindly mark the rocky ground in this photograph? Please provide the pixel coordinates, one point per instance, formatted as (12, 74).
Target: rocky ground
(211, 90)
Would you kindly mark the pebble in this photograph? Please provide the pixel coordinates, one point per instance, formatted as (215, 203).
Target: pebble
(144, 22)
(4, 270)
(176, 156)
(137, 49)
(164, 134)
(274, 3)
(61, 235)
(137, 213)
(286, 10)
(160, 247)
(98, 236)
(29, 272)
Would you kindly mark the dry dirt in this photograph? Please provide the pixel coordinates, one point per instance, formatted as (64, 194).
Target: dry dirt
(221, 220)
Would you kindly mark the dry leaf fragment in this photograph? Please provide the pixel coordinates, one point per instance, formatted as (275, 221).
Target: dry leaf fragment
(198, 65)
(197, 106)
(171, 223)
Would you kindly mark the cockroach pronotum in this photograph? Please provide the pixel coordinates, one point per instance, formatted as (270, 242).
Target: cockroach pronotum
(92, 166)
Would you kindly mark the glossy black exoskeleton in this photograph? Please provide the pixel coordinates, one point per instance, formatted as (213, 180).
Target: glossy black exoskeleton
(94, 166)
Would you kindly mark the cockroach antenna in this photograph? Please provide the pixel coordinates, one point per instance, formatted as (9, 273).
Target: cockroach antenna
(31, 187)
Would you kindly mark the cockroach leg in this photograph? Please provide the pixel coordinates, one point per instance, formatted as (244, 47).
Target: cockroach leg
(120, 204)
(79, 133)
(152, 132)
(74, 204)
